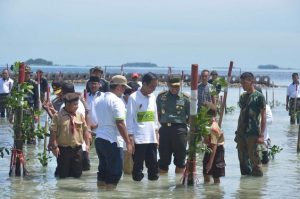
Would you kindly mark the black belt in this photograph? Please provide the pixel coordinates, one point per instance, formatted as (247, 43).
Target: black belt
(70, 147)
(168, 124)
(298, 98)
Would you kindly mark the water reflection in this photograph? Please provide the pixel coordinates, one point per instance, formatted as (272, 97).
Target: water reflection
(281, 177)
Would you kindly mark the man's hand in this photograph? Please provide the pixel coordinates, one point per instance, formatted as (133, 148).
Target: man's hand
(260, 139)
(130, 148)
(55, 151)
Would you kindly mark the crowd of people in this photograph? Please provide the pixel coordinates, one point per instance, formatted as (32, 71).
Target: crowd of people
(132, 127)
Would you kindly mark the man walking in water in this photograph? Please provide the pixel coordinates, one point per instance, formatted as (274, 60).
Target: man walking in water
(250, 130)
(293, 99)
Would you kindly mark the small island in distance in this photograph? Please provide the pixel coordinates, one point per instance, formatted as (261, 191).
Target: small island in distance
(39, 61)
(271, 66)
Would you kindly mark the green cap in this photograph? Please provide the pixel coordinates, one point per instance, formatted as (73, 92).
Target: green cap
(174, 81)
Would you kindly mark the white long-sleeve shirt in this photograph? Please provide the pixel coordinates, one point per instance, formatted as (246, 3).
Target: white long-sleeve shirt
(141, 118)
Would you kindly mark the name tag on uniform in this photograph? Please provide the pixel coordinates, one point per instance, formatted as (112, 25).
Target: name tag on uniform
(145, 116)
(180, 102)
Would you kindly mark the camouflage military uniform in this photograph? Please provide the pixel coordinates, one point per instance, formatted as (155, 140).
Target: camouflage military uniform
(248, 132)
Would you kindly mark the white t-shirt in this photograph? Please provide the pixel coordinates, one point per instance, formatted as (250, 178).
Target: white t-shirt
(141, 118)
(293, 90)
(109, 108)
(6, 85)
(91, 100)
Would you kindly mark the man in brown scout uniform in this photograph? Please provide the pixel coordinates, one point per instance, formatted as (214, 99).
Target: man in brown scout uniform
(173, 110)
(68, 132)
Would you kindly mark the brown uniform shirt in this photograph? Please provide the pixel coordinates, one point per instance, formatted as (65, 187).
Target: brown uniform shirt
(68, 133)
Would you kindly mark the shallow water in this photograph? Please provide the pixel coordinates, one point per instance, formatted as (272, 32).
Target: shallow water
(281, 176)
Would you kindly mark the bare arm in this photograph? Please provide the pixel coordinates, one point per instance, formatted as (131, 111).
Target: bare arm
(287, 103)
(123, 131)
(211, 158)
(262, 125)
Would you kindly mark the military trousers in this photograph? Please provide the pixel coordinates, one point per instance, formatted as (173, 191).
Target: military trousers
(172, 141)
(248, 154)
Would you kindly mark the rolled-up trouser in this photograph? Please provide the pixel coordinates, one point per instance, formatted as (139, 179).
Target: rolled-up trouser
(248, 154)
(147, 153)
(172, 140)
(3, 102)
(69, 162)
(110, 161)
(292, 110)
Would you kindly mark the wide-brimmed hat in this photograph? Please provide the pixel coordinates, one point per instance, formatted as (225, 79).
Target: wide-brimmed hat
(119, 80)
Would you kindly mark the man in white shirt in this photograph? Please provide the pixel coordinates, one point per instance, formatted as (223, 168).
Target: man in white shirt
(111, 133)
(6, 84)
(142, 124)
(293, 99)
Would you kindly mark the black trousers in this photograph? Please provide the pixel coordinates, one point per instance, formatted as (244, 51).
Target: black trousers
(172, 140)
(69, 162)
(147, 153)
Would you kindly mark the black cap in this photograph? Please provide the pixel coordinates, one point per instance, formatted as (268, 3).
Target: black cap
(174, 81)
(68, 88)
(213, 72)
(71, 97)
(94, 79)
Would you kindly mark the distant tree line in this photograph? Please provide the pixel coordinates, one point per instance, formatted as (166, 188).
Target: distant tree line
(39, 61)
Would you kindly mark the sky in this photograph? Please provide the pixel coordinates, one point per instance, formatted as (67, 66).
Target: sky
(176, 33)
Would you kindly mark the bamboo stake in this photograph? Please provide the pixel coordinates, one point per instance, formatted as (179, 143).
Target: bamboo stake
(298, 143)
(223, 105)
(191, 162)
(267, 100)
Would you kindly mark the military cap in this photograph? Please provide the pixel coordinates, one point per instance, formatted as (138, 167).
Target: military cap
(174, 81)
(94, 79)
(71, 97)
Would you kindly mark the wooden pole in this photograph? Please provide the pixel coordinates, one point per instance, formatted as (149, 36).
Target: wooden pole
(191, 162)
(298, 143)
(18, 132)
(223, 105)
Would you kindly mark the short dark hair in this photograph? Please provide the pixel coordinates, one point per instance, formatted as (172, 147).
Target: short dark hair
(149, 77)
(295, 74)
(204, 70)
(247, 75)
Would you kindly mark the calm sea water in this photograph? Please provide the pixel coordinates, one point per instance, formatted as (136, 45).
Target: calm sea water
(281, 176)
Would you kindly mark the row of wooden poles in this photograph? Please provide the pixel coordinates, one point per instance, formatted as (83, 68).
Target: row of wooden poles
(189, 178)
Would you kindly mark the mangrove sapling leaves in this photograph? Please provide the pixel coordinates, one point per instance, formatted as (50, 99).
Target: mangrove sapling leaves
(2, 150)
(274, 150)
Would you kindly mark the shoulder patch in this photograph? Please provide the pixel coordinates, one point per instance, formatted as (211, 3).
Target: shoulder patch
(163, 92)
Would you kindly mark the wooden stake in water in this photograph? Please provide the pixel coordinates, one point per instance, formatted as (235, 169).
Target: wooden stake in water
(267, 101)
(223, 105)
(298, 143)
(190, 170)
